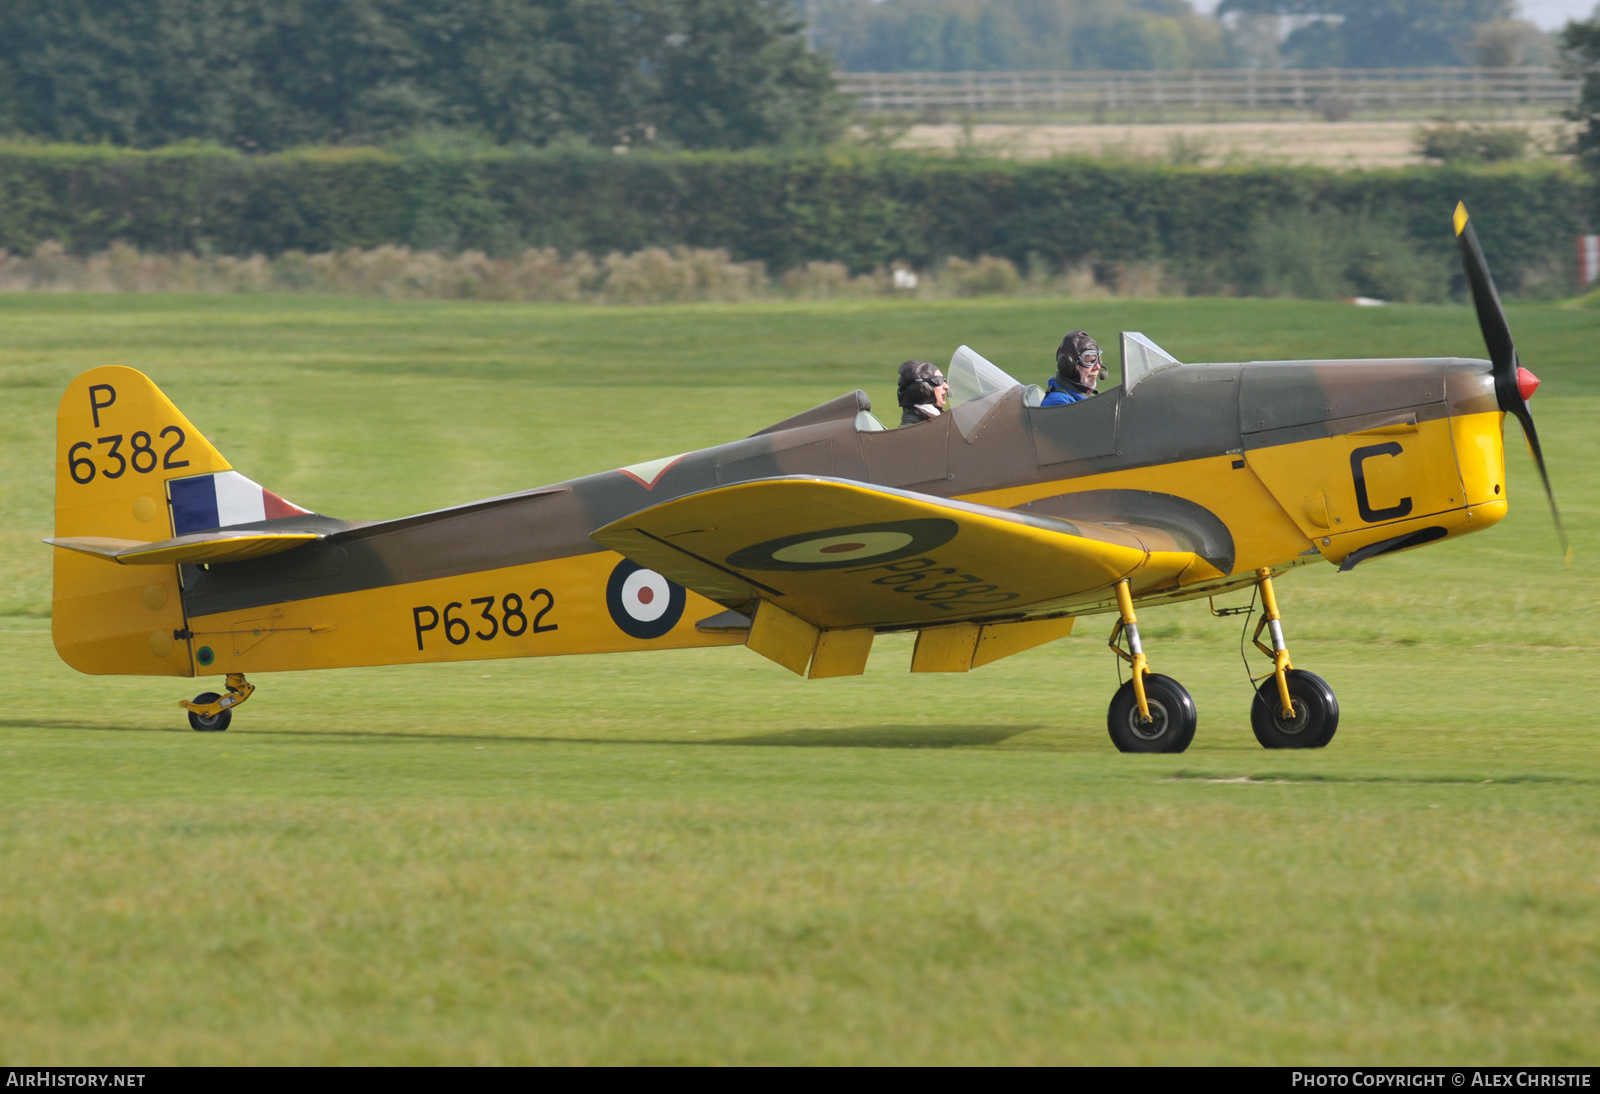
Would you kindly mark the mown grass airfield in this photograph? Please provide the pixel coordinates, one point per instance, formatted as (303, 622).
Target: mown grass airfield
(695, 856)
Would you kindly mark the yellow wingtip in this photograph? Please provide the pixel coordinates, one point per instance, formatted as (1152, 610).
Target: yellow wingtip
(1461, 217)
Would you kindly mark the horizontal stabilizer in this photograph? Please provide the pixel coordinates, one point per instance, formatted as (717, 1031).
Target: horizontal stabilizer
(192, 549)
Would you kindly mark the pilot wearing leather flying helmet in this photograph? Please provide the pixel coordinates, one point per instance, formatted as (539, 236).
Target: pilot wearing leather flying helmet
(922, 392)
(1078, 370)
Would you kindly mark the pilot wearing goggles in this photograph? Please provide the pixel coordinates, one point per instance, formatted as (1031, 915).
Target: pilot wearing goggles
(922, 392)
(1078, 370)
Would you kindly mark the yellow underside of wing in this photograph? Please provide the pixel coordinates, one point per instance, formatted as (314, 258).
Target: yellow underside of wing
(733, 544)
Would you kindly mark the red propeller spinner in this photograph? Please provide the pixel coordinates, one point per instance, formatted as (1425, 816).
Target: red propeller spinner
(1527, 383)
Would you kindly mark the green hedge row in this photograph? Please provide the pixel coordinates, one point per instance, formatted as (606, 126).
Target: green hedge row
(784, 210)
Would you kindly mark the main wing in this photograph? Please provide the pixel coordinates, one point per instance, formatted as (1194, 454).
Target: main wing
(840, 554)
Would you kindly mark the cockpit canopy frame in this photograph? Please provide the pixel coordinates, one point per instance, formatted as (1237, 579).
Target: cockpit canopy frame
(1141, 357)
(977, 384)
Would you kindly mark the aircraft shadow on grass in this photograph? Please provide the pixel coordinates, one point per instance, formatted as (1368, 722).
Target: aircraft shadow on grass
(882, 736)
(886, 736)
(952, 735)
(76, 723)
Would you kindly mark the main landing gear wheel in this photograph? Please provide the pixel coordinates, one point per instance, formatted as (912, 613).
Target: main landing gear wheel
(216, 723)
(1172, 717)
(1316, 712)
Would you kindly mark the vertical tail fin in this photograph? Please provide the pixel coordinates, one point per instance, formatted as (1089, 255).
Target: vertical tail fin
(130, 467)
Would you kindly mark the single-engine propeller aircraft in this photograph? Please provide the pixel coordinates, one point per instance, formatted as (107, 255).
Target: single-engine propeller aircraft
(987, 530)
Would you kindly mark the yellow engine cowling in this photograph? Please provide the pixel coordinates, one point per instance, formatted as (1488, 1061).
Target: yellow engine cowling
(1390, 479)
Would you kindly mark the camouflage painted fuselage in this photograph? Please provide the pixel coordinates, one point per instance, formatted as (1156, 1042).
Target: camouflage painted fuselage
(1264, 464)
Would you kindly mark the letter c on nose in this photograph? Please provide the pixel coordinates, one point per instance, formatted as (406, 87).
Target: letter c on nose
(1357, 472)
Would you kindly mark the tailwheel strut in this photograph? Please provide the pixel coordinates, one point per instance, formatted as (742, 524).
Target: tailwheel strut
(210, 712)
(1292, 708)
(1151, 712)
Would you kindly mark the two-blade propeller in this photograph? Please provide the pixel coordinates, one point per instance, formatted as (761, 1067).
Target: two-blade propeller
(1513, 384)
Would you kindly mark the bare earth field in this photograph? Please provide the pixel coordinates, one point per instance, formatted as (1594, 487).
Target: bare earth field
(1319, 144)
(695, 857)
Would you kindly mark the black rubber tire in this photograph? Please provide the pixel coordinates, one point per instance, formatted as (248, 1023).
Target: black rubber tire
(1172, 714)
(1316, 712)
(215, 724)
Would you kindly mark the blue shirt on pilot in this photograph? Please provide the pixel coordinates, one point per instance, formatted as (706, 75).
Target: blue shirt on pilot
(1061, 396)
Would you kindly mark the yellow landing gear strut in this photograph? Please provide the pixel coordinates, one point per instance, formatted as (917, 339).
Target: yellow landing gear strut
(210, 712)
(1128, 625)
(1272, 623)
(1292, 708)
(1150, 713)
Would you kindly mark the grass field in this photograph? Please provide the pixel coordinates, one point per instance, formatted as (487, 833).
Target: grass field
(695, 857)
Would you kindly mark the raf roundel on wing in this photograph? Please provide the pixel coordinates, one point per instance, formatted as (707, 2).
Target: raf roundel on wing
(835, 548)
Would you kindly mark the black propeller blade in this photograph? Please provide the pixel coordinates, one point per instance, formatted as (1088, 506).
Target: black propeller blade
(1509, 375)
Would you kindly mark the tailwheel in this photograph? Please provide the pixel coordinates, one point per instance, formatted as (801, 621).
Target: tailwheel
(212, 723)
(210, 712)
(1172, 720)
(1316, 712)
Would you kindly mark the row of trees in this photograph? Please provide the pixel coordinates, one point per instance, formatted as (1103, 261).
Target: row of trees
(266, 75)
(1397, 33)
(1011, 35)
(1001, 35)
(262, 75)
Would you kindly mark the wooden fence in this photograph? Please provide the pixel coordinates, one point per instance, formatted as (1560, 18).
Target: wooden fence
(1332, 91)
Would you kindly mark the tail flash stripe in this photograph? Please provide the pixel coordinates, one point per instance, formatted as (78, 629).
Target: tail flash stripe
(194, 505)
(276, 507)
(239, 500)
(223, 500)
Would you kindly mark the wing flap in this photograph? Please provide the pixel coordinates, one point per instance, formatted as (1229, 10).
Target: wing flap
(191, 549)
(838, 553)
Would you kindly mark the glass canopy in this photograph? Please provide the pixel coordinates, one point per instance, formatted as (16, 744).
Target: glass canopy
(1141, 357)
(976, 384)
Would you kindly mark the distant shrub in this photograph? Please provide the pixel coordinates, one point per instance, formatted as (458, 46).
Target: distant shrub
(1143, 279)
(1508, 43)
(656, 275)
(1339, 256)
(817, 280)
(1334, 107)
(651, 276)
(983, 277)
(1293, 256)
(1187, 150)
(1448, 142)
